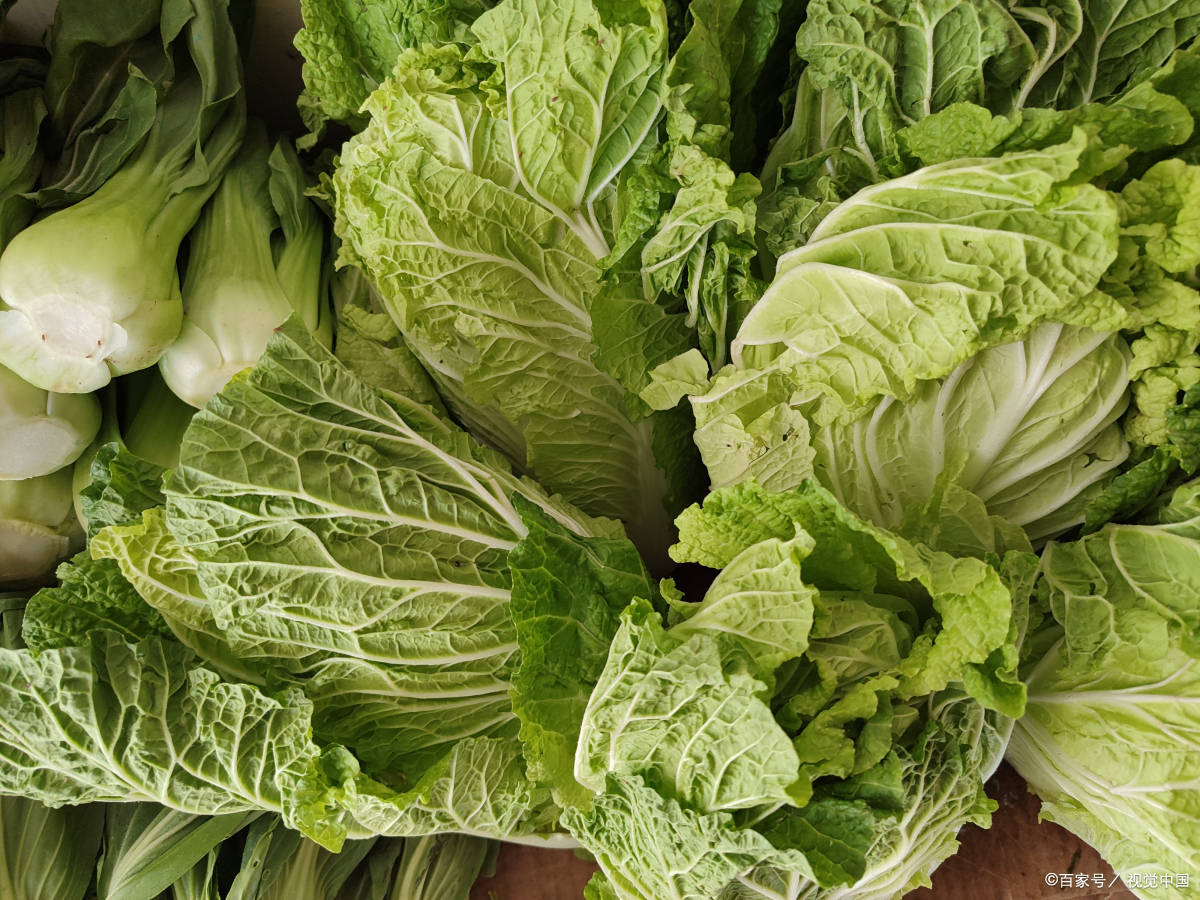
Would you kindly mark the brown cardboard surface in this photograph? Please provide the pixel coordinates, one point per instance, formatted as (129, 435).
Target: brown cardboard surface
(1010, 861)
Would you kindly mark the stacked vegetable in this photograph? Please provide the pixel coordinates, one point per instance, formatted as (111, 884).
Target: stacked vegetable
(743, 426)
(41, 432)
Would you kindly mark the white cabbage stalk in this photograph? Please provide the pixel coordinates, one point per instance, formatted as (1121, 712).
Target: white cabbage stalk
(233, 296)
(38, 527)
(42, 431)
(91, 291)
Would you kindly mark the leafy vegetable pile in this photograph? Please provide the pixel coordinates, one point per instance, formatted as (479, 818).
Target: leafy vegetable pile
(711, 435)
